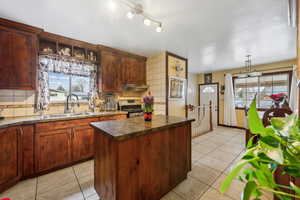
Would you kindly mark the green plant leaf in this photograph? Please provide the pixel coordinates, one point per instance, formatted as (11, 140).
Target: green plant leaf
(255, 124)
(249, 189)
(277, 123)
(292, 171)
(234, 173)
(296, 188)
(271, 141)
(261, 178)
(250, 143)
(275, 154)
(290, 121)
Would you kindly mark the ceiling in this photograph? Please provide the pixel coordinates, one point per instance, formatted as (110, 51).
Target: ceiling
(212, 34)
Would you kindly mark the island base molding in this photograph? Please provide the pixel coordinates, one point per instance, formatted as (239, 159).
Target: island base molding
(144, 167)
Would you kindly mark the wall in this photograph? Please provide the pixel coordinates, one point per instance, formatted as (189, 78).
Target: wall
(177, 107)
(218, 76)
(192, 93)
(156, 79)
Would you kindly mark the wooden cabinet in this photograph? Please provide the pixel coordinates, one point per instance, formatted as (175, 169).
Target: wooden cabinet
(18, 55)
(133, 71)
(62, 143)
(154, 163)
(28, 150)
(53, 149)
(82, 143)
(10, 156)
(179, 150)
(111, 77)
(118, 70)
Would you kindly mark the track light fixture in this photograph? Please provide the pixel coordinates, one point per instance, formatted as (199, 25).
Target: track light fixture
(137, 9)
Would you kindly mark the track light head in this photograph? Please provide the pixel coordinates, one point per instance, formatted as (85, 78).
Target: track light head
(159, 28)
(130, 14)
(147, 22)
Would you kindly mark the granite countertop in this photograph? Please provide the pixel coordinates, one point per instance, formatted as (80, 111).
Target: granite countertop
(55, 117)
(132, 127)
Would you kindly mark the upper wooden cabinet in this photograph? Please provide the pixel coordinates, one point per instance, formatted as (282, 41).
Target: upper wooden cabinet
(18, 56)
(133, 71)
(118, 70)
(111, 77)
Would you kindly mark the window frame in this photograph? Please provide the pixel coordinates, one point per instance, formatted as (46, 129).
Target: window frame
(288, 72)
(70, 88)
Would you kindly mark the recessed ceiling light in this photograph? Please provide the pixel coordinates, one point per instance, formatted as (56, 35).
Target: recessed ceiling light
(130, 14)
(147, 22)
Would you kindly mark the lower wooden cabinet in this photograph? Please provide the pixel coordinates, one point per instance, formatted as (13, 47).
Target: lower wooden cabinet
(82, 143)
(10, 156)
(53, 149)
(30, 150)
(62, 143)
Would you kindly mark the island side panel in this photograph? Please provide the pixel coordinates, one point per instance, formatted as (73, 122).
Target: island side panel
(189, 150)
(128, 169)
(105, 169)
(152, 165)
(155, 165)
(179, 154)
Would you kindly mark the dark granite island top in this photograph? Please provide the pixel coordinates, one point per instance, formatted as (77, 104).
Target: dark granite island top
(132, 127)
(138, 160)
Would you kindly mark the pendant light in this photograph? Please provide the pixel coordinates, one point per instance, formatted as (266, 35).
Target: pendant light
(249, 72)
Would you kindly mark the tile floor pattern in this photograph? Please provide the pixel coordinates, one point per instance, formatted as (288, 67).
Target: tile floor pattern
(213, 154)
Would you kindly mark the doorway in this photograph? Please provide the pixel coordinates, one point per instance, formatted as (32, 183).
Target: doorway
(207, 93)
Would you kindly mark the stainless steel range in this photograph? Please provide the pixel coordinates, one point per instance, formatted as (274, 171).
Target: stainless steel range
(131, 105)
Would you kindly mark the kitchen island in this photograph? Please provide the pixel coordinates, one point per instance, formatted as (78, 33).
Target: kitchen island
(138, 160)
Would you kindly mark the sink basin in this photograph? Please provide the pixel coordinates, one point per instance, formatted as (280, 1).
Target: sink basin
(66, 115)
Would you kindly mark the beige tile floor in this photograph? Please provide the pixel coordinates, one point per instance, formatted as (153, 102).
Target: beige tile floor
(213, 154)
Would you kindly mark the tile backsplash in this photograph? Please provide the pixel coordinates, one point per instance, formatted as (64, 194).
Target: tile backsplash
(15, 103)
(20, 103)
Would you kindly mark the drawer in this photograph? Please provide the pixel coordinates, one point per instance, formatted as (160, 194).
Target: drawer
(48, 126)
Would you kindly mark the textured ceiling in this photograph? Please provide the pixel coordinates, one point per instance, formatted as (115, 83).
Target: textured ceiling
(212, 34)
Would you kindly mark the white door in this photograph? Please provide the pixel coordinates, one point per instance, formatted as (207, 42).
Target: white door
(209, 92)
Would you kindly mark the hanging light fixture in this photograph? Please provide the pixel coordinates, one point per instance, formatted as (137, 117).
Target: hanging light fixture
(137, 9)
(292, 13)
(249, 72)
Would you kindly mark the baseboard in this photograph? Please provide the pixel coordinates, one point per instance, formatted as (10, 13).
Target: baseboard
(242, 128)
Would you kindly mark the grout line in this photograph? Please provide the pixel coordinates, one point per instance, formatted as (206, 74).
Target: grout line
(78, 183)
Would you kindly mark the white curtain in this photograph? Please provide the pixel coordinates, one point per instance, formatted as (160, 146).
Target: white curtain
(294, 93)
(229, 105)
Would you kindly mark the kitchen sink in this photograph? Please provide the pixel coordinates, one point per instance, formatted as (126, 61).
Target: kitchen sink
(66, 115)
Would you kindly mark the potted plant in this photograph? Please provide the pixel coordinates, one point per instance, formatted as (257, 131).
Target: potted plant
(277, 149)
(148, 106)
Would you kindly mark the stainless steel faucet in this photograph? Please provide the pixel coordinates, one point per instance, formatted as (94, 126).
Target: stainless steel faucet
(69, 98)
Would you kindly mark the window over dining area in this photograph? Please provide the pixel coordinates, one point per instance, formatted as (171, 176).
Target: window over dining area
(245, 89)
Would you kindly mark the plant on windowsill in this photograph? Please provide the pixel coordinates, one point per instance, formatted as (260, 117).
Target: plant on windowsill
(277, 149)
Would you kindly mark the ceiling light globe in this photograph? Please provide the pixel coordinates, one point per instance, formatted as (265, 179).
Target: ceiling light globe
(147, 22)
(159, 29)
(130, 15)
